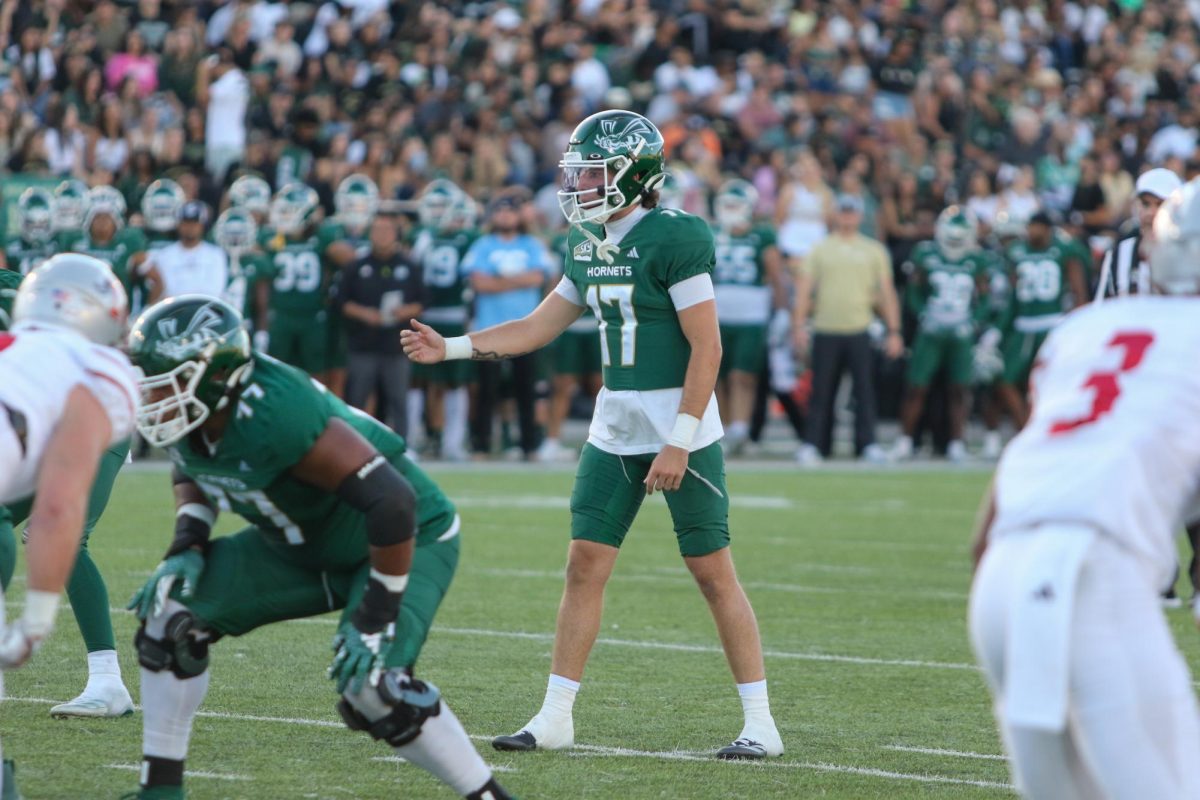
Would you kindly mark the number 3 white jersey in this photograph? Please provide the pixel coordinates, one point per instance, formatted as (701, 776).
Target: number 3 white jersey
(1114, 438)
(38, 369)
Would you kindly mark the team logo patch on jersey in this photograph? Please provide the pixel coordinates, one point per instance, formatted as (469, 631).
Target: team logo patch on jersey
(583, 251)
(630, 137)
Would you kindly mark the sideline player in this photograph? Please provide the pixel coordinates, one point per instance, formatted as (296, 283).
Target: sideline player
(66, 395)
(334, 508)
(645, 272)
(1078, 539)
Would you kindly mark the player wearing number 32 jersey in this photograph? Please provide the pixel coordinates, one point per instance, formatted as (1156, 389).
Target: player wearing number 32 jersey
(1092, 696)
(645, 272)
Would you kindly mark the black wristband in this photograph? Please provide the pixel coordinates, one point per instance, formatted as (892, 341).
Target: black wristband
(378, 608)
(190, 531)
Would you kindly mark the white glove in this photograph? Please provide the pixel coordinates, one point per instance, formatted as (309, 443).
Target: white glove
(17, 644)
(987, 362)
(990, 339)
(262, 340)
(779, 329)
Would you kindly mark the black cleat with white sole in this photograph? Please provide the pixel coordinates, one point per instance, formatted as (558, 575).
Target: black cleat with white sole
(743, 749)
(521, 741)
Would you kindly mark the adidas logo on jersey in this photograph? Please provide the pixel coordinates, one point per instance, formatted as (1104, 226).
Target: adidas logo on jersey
(633, 253)
(583, 251)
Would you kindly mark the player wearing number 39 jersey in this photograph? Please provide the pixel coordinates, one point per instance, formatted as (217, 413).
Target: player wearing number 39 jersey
(645, 272)
(338, 519)
(1077, 541)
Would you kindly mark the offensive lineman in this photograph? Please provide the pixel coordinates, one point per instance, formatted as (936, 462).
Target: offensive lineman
(334, 508)
(1078, 537)
(66, 395)
(646, 274)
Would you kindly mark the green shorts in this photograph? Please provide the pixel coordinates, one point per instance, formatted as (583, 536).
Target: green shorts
(11, 515)
(932, 351)
(300, 341)
(446, 373)
(609, 491)
(337, 350)
(252, 578)
(743, 348)
(1020, 350)
(577, 353)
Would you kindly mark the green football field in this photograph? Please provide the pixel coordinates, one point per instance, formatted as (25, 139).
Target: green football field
(860, 583)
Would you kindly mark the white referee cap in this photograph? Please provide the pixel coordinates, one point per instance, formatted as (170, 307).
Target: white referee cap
(1160, 182)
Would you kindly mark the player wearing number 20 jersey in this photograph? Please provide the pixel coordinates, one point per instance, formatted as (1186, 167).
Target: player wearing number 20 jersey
(1093, 697)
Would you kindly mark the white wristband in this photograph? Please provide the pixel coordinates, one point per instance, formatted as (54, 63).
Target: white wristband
(684, 431)
(198, 511)
(393, 583)
(40, 610)
(458, 348)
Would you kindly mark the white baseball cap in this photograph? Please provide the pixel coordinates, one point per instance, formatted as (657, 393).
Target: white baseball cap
(1160, 182)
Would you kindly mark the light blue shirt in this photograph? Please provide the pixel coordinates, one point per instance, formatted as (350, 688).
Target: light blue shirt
(491, 255)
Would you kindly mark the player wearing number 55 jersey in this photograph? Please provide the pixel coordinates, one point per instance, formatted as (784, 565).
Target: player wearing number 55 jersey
(1092, 696)
(646, 274)
(339, 519)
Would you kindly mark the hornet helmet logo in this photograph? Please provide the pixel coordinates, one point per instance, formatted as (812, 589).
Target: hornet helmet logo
(630, 138)
(200, 329)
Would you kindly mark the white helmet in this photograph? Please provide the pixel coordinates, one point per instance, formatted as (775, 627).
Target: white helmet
(108, 196)
(70, 204)
(161, 204)
(1175, 251)
(356, 201)
(236, 230)
(734, 204)
(76, 292)
(956, 232)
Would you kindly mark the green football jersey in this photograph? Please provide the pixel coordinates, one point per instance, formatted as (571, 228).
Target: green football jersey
(22, 256)
(331, 231)
(1040, 278)
(440, 255)
(9, 281)
(586, 324)
(740, 276)
(297, 271)
(999, 280)
(642, 346)
(279, 416)
(116, 252)
(947, 299)
(295, 164)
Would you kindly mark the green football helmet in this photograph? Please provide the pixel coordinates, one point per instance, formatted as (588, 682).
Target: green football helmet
(251, 192)
(734, 204)
(463, 214)
(293, 208)
(356, 201)
(35, 215)
(195, 357)
(626, 151)
(107, 196)
(70, 205)
(436, 202)
(956, 232)
(161, 204)
(235, 231)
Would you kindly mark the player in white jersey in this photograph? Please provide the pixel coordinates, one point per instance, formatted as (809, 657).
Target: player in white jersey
(1092, 697)
(66, 395)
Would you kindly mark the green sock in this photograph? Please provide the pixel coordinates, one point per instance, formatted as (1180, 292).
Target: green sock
(8, 548)
(89, 601)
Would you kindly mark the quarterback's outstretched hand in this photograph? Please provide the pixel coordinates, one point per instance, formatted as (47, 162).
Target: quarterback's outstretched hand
(359, 657)
(423, 345)
(183, 568)
(666, 473)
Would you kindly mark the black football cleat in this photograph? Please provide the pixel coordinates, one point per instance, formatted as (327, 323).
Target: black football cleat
(521, 741)
(743, 749)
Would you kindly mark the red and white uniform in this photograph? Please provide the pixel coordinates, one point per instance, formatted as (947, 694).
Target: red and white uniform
(1092, 696)
(39, 367)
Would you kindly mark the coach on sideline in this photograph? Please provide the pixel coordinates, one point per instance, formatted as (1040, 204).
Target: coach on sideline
(1125, 269)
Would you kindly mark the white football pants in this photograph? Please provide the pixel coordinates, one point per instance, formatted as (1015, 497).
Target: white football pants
(1132, 727)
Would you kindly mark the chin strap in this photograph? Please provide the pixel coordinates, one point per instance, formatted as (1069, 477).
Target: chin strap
(605, 251)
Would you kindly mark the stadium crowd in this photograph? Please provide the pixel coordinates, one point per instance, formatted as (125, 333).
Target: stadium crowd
(1024, 114)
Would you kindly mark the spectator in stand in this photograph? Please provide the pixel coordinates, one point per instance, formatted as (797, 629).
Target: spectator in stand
(846, 279)
(133, 62)
(804, 208)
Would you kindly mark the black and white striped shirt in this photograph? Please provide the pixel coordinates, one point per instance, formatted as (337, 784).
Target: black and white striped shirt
(1123, 271)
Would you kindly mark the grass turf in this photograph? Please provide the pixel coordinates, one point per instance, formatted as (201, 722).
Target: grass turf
(859, 580)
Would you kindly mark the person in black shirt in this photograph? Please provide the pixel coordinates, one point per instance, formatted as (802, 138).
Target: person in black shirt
(377, 295)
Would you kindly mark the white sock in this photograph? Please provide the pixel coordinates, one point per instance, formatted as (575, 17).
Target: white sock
(739, 430)
(103, 664)
(444, 750)
(560, 697)
(550, 443)
(454, 435)
(168, 707)
(755, 704)
(415, 406)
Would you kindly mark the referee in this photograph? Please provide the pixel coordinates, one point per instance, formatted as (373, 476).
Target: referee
(1125, 270)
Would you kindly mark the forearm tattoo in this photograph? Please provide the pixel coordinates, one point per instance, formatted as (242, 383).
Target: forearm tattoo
(492, 355)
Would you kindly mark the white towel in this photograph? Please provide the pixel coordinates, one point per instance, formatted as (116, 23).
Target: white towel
(1037, 666)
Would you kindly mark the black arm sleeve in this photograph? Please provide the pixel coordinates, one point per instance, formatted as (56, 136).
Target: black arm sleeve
(387, 500)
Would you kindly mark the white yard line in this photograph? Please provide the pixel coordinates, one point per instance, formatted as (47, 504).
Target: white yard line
(191, 773)
(502, 768)
(937, 751)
